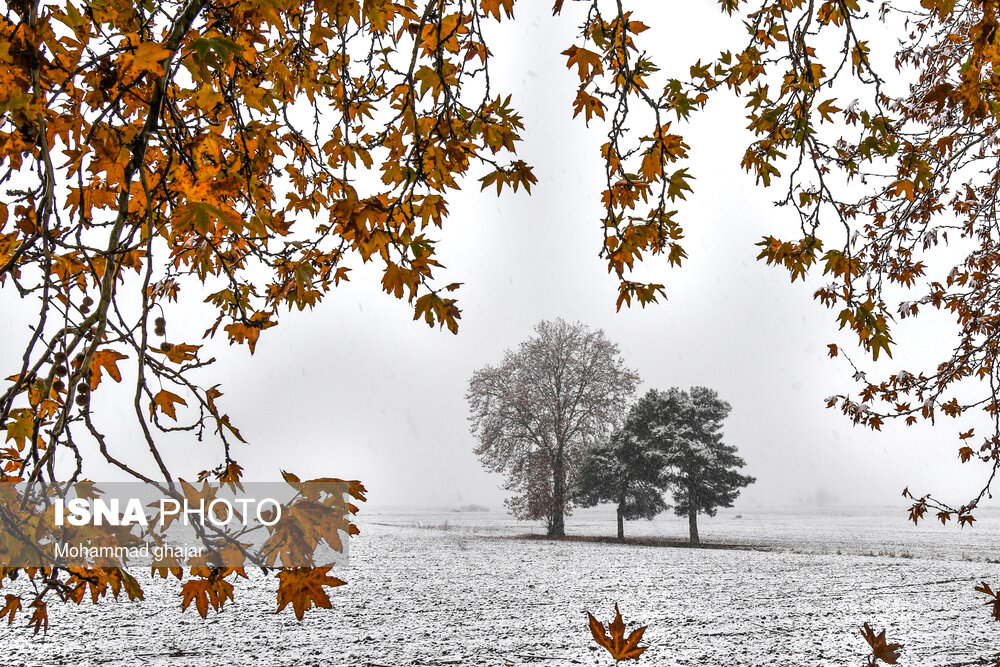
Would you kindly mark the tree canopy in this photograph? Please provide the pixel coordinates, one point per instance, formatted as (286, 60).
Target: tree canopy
(701, 469)
(628, 469)
(536, 413)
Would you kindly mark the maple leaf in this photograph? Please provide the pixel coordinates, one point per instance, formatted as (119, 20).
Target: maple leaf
(178, 353)
(620, 647)
(587, 62)
(21, 427)
(300, 529)
(146, 57)
(40, 616)
(205, 592)
(827, 109)
(881, 650)
(108, 360)
(983, 588)
(302, 587)
(492, 7)
(12, 606)
(165, 401)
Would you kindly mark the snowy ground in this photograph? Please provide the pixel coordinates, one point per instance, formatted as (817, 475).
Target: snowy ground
(462, 589)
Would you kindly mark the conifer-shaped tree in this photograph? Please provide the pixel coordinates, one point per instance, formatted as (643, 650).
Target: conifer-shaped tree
(702, 470)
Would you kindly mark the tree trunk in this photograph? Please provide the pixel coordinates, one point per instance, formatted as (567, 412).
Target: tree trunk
(557, 522)
(621, 525)
(693, 514)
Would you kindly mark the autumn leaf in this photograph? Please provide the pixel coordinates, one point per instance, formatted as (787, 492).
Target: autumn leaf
(179, 352)
(146, 57)
(12, 606)
(21, 428)
(827, 109)
(620, 647)
(588, 63)
(107, 360)
(165, 400)
(983, 588)
(302, 587)
(205, 592)
(492, 7)
(887, 653)
(40, 616)
(904, 188)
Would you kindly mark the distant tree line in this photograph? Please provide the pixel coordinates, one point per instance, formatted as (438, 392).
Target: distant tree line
(553, 417)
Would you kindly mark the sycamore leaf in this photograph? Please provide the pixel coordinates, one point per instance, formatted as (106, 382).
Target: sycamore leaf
(215, 51)
(302, 587)
(588, 63)
(12, 606)
(492, 7)
(178, 353)
(40, 616)
(21, 428)
(827, 109)
(108, 360)
(205, 592)
(165, 401)
(620, 647)
(903, 188)
(983, 588)
(146, 57)
(887, 653)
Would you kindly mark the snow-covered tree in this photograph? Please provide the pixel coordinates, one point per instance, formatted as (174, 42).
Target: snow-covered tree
(701, 469)
(536, 413)
(625, 470)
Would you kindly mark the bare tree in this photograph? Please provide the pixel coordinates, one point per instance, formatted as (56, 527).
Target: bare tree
(534, 415)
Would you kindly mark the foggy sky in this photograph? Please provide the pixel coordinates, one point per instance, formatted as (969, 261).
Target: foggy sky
(356, 389)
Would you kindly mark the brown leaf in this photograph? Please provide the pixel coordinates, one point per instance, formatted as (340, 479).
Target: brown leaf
(887, 653)
(165, 401)
(179, 352)
(302, 587)
(40, 617)
(12, 606)
(108, 360)
(983, 588)
(617, 645)
(205, 592)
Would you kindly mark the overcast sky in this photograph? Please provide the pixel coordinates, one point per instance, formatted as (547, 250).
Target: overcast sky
(357, 389)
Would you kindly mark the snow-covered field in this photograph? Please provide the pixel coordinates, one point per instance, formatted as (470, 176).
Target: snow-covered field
(436, 588)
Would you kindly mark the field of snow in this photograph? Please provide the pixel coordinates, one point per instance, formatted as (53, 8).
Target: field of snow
(447, 588)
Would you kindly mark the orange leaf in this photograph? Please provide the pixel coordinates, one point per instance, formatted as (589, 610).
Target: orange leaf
(165, 401)
(887, 653)
(303, 588)
(902, 187)
(108, 360)
(587, 62)
(39, 617)
(12, 607)
(147, 57)
(178, 353)
(205, 592)
(620, 647)
(492, 7)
